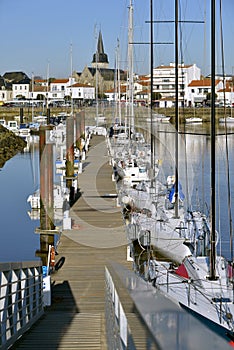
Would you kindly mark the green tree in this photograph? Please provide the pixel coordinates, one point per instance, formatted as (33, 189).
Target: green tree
(208, 96)
(40, 97)
(156, 96)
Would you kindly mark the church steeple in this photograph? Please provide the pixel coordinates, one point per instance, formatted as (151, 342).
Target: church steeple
(100, 59)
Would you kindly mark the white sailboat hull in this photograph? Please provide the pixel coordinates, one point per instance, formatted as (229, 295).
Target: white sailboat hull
(191, 288)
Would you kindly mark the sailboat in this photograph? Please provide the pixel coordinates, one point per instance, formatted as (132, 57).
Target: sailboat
(128, 149)
(155, 213)
(203, 285)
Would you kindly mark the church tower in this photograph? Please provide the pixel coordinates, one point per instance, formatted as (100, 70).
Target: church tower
(100, 59)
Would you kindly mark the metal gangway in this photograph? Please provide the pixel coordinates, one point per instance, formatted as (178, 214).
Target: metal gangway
(137, 316)
(21, 299)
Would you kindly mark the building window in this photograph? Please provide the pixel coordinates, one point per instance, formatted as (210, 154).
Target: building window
(192, 91)
(62, 88)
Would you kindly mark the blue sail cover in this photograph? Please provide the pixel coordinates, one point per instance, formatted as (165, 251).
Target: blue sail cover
(172, 193)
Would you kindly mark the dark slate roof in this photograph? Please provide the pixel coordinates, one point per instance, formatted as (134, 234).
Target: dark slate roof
(2, 81)
(15, 77)
(100, 56)
(23, 81)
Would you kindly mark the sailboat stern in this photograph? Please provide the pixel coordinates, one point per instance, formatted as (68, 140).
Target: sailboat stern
(197, 269)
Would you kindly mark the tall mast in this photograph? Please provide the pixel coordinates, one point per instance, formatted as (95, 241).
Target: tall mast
(176, 112)
(71, 58)
(151, 91)
(213, 132)
(118, 84)
(130, 64)
(47, 84)
(71, 62)
(96, 77)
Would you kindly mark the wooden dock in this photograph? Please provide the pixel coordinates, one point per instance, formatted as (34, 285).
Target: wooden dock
(76, 318)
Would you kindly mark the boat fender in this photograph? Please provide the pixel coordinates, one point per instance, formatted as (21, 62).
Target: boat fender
(52, 256)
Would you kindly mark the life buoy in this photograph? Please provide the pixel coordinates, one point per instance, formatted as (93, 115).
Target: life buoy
(52, 256)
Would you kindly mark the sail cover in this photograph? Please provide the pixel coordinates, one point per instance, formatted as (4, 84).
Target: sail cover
(172, 193)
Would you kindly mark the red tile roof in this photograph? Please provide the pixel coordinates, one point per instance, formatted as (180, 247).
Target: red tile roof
(81, 85)
(173, 66)
(60, 81)
(40, 81)
(203, 82)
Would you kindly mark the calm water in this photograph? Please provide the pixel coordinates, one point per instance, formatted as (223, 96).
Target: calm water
(17, 182)
(194, 170)
(19, 178)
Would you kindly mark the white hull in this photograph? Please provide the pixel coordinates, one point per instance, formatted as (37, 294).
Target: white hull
(211, 300)
(60, 197)
(193, 120)
(227, 120)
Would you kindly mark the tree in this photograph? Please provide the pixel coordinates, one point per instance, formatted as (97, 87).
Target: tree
(208, 96)
(156, 96)
(40, 97)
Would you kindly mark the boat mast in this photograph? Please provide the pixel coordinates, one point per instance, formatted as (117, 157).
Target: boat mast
(71, 58)
(212, 275)
(176, 112)
(152, 141)
(47, 85)
(118, 84)
(130, 64)
(96, 80)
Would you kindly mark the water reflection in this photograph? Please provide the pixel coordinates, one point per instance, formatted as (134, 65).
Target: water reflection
(17, 181)
(20, 177)
(194, 169)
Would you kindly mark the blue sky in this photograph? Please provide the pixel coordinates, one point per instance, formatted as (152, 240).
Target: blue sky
(37, 35)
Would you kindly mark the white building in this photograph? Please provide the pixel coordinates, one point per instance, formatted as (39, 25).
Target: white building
(79, 91)
(5, 95)
(164, 82)
(226, 94)
(20, 90)
(198, 90)
(59, 88)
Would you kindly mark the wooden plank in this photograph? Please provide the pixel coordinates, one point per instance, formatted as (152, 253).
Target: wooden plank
(76, 318)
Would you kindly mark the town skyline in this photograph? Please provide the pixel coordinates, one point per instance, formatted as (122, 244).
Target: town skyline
(51, 39)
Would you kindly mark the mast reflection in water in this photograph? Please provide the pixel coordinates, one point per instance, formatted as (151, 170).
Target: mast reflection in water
(194, 170)
(20, 177)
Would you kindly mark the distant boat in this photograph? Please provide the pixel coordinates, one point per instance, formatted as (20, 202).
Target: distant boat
(100, 119)
(24, 130)
(193, 120)
(161, 118)
(3, 122)
(13, 126)
(226, 120)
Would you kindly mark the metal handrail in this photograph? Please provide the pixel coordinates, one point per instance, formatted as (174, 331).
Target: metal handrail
(21, 299)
